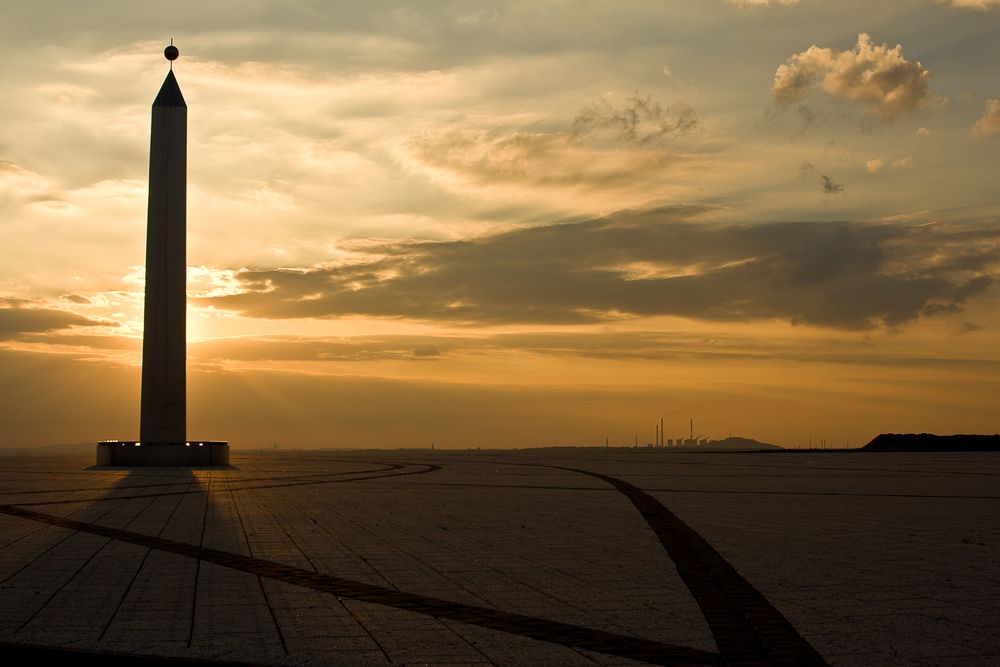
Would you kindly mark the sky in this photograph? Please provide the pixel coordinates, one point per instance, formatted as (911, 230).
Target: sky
(511, 224)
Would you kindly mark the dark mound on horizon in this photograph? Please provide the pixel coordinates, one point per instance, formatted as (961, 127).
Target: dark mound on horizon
(736, 444)
(928, 442)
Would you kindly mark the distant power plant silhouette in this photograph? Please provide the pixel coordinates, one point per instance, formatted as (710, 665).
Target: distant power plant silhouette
(691, 441)
(163, 412)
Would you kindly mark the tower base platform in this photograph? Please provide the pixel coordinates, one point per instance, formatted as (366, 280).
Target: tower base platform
(133, 453)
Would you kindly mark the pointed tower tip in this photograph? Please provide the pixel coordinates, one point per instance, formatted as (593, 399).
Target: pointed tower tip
(170, 93)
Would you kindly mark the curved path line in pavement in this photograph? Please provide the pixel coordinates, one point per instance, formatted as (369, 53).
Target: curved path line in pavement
(747, 628)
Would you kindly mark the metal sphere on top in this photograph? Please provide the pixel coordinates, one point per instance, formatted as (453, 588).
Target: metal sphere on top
(171, 53)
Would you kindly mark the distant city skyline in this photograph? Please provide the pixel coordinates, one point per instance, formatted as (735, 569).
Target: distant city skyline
(512, 224)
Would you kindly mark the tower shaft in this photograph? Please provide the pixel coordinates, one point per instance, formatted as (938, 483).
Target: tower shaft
(163, 410)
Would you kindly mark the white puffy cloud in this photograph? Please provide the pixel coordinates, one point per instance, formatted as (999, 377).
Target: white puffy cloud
(874, 165)
(989, 124)
(878, 77)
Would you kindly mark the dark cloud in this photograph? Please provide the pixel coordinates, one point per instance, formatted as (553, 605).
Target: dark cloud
(18, 318)
(76, 298)
(830, 187)
(645, 263)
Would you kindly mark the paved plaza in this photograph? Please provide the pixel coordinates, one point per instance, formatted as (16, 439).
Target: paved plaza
(530, 557)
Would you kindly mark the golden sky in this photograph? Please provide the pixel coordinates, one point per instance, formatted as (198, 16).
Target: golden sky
(511, 223)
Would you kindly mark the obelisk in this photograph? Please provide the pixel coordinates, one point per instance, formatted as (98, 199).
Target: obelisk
(163, 415)
(163, 404)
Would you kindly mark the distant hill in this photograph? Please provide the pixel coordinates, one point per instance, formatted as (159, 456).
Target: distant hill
(736, 444)
(928, 442)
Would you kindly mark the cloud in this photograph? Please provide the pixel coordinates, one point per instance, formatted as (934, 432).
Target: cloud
(639, 121)
(76, 298)
(635, 153)
(19, 317)
(878, 78)
(453, 350)
(973, 4)
(989, 124)
(830, 187)
(810, 117)
(486, 157)
(300, 348)
(760, 3)
(644, 263)
(626, 147)
(19, 185)
(877, 164)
